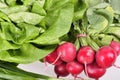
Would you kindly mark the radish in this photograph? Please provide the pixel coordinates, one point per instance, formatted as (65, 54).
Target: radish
(116, 46)
(52, 58)
(105, 57)
(74, 68)
(67, 51)
(94, 71)
(61, 70)
(85, 55)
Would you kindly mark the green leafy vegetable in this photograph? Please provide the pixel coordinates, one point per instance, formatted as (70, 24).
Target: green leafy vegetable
(58, 28)
(31, 29)
(14, 9)
(26, 17)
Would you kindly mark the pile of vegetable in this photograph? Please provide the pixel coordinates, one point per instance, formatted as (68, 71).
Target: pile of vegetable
(93, 63)
(72, 35)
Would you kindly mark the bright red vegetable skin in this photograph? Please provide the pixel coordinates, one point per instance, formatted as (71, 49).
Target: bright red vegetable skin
(74, 68)
(61, 70)
(105, 57)
(116, 46)
(94, 71)
(51, 58)
(86, 55)
(67, 51)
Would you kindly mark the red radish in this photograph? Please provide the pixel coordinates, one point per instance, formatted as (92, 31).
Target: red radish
(94, 71)
(105, 57)
(52, 58)
(74, 68)
(85, 55)
(60, 70)
(116, 46)
(67, 51)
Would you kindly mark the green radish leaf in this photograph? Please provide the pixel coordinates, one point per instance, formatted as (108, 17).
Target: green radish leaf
(107, 14)
(101, 5)
(115, 5)
(107, 39)
(99, 19)
(97, 22)
(114, 30)
(92, 43)
(91, 3)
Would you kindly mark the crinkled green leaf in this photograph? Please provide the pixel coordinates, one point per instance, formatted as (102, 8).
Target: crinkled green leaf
(11, 2)
(28, 32)
(4, 17)
(38, 8)
(56, 4)
(27, 17)
(53, 13)
(60, 27)
(9, 31)
(48, 4)
(3, 5)
(20, 35)
(80, 8)
(13, 9)
(28, 2)
(6, 45)
(27, 53)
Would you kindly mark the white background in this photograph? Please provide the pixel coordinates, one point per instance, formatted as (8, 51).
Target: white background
(37, 67)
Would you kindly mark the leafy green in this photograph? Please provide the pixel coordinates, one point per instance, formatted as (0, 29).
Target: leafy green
(56, 30)
(38, 8)
(24, 25)
(115, 5)
(26, 17)
(99, 19)
(27, 53)
(80, 8)
(14, 9)
(11, 2)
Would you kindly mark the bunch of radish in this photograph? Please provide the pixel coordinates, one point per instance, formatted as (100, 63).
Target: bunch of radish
(67, 60)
